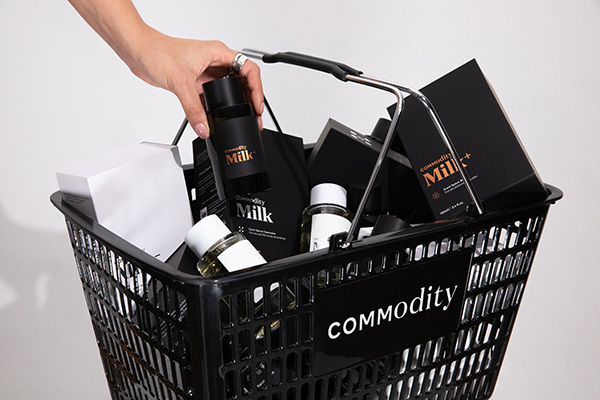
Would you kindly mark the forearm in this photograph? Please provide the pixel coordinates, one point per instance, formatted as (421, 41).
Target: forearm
(118, 23)
(178, 65)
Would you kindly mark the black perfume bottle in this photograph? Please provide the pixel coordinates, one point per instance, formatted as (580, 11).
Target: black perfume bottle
(235, 138)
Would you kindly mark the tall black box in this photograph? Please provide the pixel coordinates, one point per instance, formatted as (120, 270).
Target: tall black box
(344, 156)
(270, 220)
(488, 146)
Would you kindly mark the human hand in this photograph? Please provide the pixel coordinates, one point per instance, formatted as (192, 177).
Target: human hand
(183, 65)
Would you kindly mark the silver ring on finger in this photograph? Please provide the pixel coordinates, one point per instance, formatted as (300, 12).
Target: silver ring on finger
(238, 63)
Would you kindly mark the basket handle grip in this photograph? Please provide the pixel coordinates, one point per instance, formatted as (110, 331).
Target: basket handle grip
(337, 69)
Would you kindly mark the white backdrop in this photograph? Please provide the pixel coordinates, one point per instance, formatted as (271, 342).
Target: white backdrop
(65, 97)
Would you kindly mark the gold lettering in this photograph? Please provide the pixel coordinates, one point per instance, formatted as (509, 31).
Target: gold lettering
(446, 169)
(239, 157)
(231, 159)
(436, 177)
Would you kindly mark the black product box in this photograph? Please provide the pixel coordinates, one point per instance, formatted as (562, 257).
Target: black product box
(346, 157)
(489, 149)
(270, 220)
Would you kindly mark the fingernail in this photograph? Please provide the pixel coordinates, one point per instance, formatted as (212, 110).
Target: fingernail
(262, 108)
(201, 130)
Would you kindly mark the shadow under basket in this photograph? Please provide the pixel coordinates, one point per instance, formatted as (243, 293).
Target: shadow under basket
(421, 314)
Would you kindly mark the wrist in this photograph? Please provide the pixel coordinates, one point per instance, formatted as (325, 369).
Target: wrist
(135, 43)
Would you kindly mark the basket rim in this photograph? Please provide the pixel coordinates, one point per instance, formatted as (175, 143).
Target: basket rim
(162, 269)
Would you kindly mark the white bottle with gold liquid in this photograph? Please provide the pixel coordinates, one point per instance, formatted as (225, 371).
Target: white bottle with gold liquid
(219, 250)
(326, 216)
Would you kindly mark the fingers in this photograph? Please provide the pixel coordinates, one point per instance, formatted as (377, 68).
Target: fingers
(217, 60)
(251, 74)
(194, 110)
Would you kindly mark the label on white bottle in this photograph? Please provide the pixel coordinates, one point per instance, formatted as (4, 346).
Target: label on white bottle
(323, 226)
(239, 256)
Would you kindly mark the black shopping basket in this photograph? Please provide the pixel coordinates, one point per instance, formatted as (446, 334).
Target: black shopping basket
(424, 313)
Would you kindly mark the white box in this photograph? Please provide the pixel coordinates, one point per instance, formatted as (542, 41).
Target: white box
(138, 193)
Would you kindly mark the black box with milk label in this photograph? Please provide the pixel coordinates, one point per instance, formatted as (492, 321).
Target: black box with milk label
(487, 145)
(270, 220)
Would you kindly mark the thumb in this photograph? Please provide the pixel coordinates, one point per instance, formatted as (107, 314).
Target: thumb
(194, 111)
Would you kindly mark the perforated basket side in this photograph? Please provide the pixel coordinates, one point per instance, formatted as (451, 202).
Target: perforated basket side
(141, 321)
(163, 334)
(255, 361)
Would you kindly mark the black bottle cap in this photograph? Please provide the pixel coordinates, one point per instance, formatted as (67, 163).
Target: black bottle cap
(225, 92)
(374, 202)
(388, 223)
(380, 130)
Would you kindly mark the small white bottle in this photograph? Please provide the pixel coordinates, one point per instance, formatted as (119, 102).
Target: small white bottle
(218, 249)
(326, 215)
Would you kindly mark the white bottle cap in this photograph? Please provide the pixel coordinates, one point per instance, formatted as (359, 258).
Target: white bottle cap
(205, 233)
(328, 193)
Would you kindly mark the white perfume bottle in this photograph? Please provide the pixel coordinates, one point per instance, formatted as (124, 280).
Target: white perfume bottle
(326, 215)
(218, 249)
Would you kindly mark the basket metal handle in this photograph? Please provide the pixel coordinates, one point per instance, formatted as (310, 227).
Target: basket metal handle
(346, 73)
